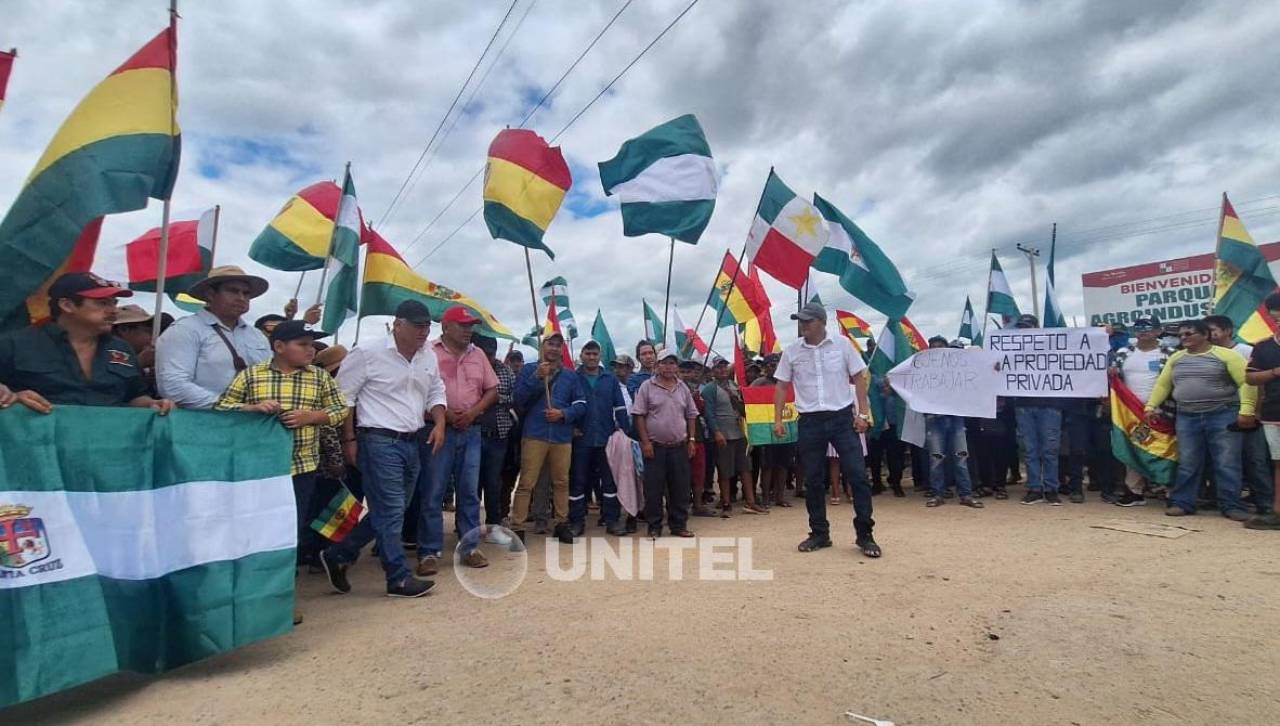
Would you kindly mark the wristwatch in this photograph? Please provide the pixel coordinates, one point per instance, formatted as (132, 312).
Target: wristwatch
(865, 417)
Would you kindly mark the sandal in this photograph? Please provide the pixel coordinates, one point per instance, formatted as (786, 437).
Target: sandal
(869, 548)
(754, 509)
(1001, 494)
(782, 503)
(971, 502)
(724, 510)
(835, 500)
(681, 533)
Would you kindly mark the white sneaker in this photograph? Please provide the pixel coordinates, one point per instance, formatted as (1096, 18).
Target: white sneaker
(496, 536)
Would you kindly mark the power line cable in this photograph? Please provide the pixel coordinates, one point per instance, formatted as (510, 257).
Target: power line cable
(454, 103)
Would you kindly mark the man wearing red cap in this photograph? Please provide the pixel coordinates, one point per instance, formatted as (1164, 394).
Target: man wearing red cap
(75, 359)
(470, 387)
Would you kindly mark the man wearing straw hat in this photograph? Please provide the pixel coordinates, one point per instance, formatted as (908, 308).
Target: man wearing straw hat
(197, 357)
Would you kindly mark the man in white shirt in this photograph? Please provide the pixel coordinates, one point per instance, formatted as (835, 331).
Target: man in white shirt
(394, 386)
(820, 368)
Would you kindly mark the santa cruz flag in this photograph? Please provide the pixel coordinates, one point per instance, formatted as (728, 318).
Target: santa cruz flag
(666, 181)
(787, 234)
(171, 540)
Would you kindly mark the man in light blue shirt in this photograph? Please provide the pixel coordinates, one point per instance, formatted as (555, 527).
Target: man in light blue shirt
(197, 357)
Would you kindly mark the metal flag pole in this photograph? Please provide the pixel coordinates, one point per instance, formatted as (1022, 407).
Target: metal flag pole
(163, 263)
(324, 271)
(986, 308)
(298, 290)
(707, 303)
(533, 301)
(1032, 254)
(666, 305)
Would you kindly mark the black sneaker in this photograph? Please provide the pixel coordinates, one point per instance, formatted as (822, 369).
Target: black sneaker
(814, 542)
(1129, 499)
(1077, 497)
(1264, 521)
(1033, 497)
(337, 573)
(1052, 498)
(409, 587)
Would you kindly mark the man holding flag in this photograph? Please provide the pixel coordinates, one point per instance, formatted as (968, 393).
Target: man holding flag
(820, 368)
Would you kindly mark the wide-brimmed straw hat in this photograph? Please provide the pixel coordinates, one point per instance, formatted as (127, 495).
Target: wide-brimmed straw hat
(227, 273)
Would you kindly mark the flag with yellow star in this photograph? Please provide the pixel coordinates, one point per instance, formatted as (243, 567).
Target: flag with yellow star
(787, 234)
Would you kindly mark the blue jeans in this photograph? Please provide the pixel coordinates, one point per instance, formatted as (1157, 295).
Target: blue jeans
(458, 461)
(944, 436)
(817, 430)
(1257, 469)
(590, 472)
(389, 471)
(1040, 428)
(493, 452)
(1199, 433)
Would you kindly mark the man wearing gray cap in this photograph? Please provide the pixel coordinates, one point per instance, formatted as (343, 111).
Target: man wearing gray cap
(820, 369)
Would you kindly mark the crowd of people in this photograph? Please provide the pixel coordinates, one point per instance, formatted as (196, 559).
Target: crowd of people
(416, 426)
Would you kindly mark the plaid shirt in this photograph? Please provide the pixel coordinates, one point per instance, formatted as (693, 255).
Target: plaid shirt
(309, 388)
(502, 422)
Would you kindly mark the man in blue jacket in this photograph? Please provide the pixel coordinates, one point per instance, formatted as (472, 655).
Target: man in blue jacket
(548, 429)
(606, 413)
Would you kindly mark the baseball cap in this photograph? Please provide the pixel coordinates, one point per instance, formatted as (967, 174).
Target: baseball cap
(460, 315)
(624, 360)
(811, 311)
(85, 284)
(719, 362)
(690, 365)
(267, 319)
(1027, 320)
(668, 355)
(414, 312)
(128, 314)
(553, 336)
(591, 345)
(1142, 325)
(294, 329)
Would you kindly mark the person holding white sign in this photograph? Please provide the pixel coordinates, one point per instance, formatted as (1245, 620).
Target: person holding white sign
(820, 368)
(948, 449)
(1040, 429)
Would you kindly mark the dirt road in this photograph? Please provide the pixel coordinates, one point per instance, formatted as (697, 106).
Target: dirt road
(1007, 615)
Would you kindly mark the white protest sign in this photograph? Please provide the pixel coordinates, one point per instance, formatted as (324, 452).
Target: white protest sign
(1051, 362)
(951, 381)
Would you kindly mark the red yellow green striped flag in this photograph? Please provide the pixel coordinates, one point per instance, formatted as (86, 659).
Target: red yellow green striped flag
(298, 237)
(737, 297)
(117, 149)
(1243, 279)
(340, 517)
(913, 335)
(759, 405)
(389, 281)
(525, 181)
(854, 328)
(1149, 448)
(6, 66)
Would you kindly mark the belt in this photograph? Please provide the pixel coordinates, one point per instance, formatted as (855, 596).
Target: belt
(670, 446)
(827, 414)
(388, 433)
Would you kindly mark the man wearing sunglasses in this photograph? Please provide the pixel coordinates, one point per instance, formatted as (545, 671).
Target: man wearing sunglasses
(1214, 405)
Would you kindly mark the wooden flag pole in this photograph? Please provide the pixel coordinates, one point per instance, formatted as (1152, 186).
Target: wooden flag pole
(217, 219)
(533, 301)
(707, 303)
(324, 271)
(986, 309)
(163, 263)
(666, 305)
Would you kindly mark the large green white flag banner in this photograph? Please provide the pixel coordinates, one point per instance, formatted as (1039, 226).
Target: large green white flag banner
(131, 541)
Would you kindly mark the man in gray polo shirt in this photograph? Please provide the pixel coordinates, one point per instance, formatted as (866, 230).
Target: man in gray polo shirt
(664, 419)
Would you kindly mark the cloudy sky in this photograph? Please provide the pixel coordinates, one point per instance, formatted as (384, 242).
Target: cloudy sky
(944, 129)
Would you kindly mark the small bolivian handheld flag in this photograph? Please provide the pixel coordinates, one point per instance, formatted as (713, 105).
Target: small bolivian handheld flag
(525, 181)
(340, 517)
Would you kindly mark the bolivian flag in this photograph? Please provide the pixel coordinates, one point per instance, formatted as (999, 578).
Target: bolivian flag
(340, 517)
(525, 181)
(759, 404)
(116, 150)
(1243, 279)
(736, 296)
(854, 328)
(298, 238)
(389, 281)
(1149, 448)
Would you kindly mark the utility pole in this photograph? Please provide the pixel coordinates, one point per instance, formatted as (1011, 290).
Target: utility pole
(1032, 254)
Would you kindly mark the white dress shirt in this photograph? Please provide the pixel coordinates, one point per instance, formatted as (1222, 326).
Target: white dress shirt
(820, 373)
(389, 392)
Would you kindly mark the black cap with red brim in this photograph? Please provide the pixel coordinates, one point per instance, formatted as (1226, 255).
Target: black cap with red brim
(85, 284)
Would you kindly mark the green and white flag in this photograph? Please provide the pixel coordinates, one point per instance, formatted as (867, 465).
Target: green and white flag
(666, 181)
(967, 329)
(600, 334)
(170, 540)
(864, 270)
(1053, 317)
(999, 296)
(558, 288)
(654, 330)
(340, 302)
